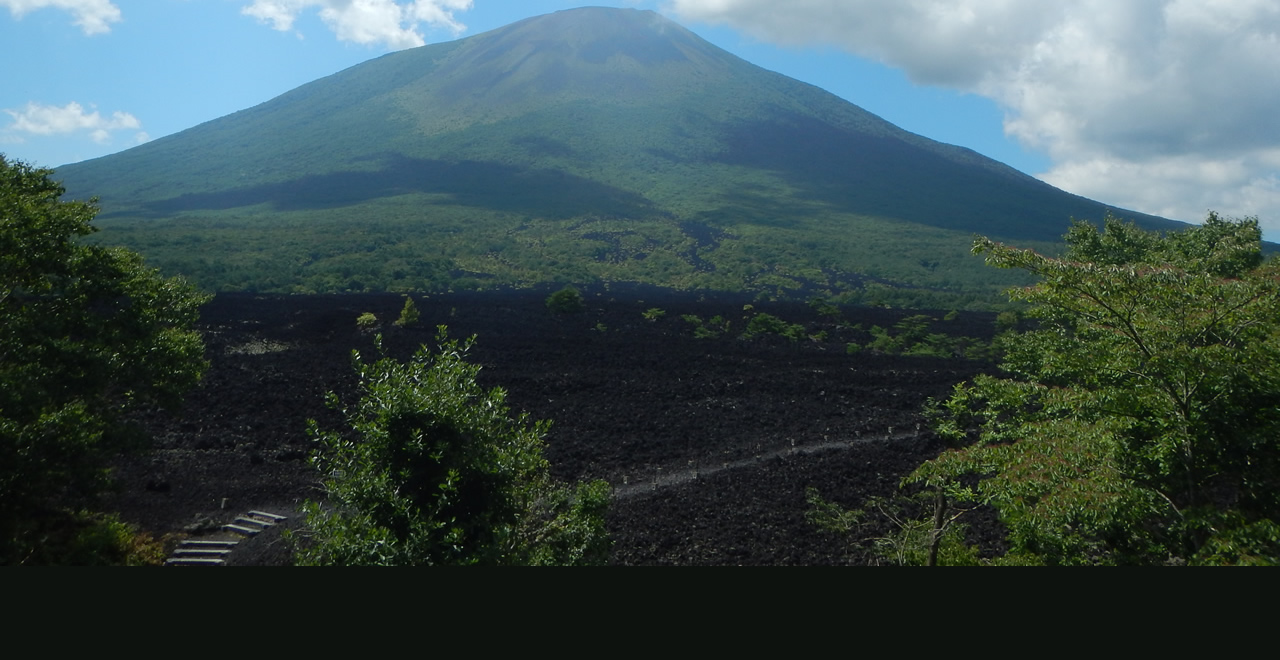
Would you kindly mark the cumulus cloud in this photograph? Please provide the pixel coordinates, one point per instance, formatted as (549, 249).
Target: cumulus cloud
(370, 22)
(1165, 106)
(37, 119)
(93, 16)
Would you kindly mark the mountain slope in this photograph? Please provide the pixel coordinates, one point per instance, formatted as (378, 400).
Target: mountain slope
(586, 144)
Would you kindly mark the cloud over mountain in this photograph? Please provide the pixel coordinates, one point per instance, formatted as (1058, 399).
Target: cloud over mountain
(1163, 105)
(39, 119)
(371, 22)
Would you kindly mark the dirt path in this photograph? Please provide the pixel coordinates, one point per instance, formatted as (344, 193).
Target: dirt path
(675, 475)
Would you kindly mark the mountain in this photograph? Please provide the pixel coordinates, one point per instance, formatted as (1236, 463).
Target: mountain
(582, 145)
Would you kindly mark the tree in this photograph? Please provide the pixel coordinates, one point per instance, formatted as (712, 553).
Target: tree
(435, 471)
(566, 301)
(1140, 422)
(409, 314)
(87, 333)
(768, 324)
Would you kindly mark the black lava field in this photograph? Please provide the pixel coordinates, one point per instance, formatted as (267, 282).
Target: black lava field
(709, 443)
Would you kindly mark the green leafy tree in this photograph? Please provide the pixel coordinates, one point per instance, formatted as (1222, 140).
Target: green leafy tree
(566, 301)
(913, 338)
(436, 471)
(653, 314)
(87, 333)
(1140, 423)
(909, 541)
(824, 307)
(768, 324)
(409, 314)
(712, 328)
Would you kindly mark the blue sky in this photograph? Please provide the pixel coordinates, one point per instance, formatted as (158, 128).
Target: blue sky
(1170, 107)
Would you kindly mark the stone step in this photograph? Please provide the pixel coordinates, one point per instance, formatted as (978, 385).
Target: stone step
(211, 553)
(260, 524)
(198, 552)
(194, 561)
(208, 544)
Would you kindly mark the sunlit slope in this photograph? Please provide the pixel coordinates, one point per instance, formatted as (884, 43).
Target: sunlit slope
(576, 145)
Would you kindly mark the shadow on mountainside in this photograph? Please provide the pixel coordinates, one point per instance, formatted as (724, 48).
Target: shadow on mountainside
(534, 192)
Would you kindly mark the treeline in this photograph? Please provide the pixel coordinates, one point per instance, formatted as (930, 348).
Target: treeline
(395, 246)
(914, 335)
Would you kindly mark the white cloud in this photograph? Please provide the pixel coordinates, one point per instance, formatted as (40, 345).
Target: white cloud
(387, 22)
(93, 16)
(1183, 186)
(1165, 106)
(44, 120)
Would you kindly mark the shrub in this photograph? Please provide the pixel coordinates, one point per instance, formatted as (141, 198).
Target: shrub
(435, 470)
(409, 315)
(768, 324)
(710, 329)
(566, 301)
(824, 307)
(1006, 321)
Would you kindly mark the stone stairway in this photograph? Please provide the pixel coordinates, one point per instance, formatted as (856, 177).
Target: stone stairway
(215, 552)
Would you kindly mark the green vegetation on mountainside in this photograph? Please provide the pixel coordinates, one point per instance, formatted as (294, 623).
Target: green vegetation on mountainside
(583, 145)
(338, 251)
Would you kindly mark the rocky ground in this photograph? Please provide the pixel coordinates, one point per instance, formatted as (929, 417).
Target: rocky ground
(709, 443)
